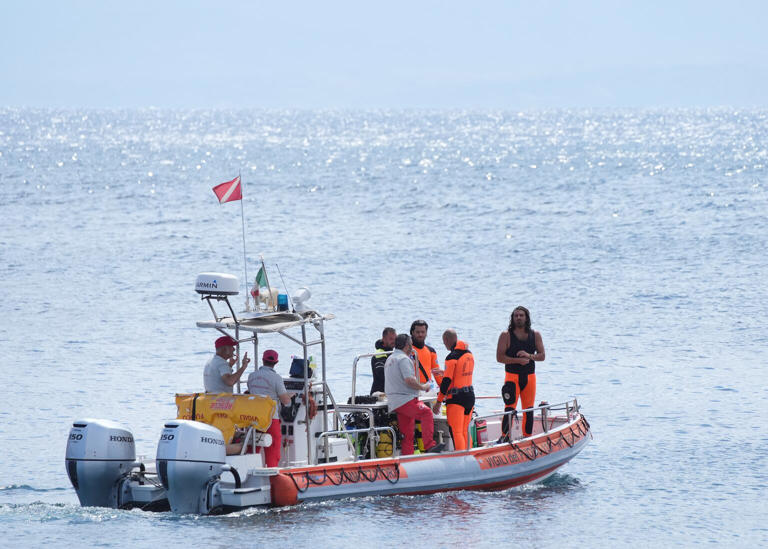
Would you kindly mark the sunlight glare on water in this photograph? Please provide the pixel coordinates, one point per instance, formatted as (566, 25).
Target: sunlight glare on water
(636, 237)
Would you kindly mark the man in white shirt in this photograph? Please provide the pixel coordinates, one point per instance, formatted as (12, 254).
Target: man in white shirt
(218, 376)
(266, 382)
(402, 389)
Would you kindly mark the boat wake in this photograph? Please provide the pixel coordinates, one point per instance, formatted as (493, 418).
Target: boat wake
(28, 488)
(560, 480)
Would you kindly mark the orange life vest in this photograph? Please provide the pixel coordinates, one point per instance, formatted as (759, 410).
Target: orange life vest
(426, 359)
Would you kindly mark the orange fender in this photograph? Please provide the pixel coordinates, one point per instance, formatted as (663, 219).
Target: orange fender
(312, 407)
(284, 491)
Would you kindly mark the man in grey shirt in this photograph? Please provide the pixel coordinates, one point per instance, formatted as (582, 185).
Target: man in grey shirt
(218, 376)
(267, 382)
(402, 389)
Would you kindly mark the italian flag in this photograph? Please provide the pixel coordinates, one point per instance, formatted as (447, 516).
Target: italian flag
(261, 282)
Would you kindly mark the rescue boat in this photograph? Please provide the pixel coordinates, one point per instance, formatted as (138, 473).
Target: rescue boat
(209, 458)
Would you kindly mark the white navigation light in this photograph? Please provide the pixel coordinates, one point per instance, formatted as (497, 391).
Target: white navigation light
(217, 284)
(300, 299)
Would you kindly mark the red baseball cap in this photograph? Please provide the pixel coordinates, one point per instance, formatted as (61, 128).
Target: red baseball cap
(269, 356)
(225, 341)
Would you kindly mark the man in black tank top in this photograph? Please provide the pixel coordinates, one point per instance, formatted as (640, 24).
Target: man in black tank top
(519, 348)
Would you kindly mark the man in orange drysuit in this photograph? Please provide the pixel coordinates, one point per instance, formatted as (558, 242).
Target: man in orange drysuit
(519, 348)
(456, 385)
(425, 356)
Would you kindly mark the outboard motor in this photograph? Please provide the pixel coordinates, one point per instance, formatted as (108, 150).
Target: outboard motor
(190, 459)
(99, 454)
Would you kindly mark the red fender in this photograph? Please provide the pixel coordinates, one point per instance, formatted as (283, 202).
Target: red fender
(284, 491)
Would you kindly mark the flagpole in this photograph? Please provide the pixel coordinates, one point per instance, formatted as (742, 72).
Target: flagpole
(245, 256)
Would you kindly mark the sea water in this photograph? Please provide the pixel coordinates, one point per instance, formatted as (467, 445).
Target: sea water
(637, 238)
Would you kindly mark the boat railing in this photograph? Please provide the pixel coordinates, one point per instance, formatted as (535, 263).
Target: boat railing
(569, 407)
(354, 367)
(368, 409)
(252, 439)
(371, 431)
(336, 417)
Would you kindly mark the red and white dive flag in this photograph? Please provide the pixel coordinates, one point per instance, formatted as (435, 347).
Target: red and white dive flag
(229, 191)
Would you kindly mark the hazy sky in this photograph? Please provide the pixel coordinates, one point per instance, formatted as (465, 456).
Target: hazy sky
(326, 54)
